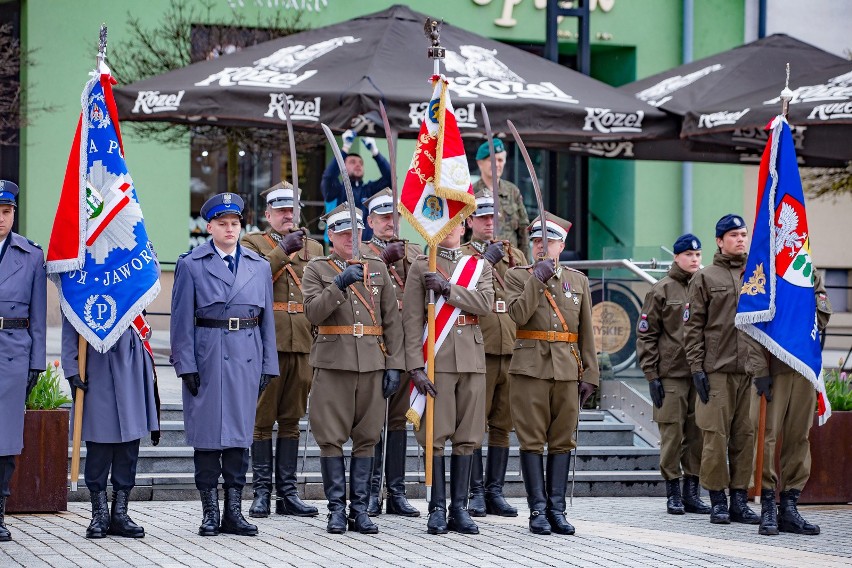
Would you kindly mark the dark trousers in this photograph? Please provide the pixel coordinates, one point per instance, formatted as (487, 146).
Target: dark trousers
(121, 458)
(231, 463)
(7, 468)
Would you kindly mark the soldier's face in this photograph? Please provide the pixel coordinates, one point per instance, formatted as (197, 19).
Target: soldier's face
(382, 225)
(453, 240)
(734, 242)
(482, 227)
(225, 231)
(281, 220)
(689, 260)
(7, 218)
(341, 243)
(354, 166)
(485, 166)
(554, 248)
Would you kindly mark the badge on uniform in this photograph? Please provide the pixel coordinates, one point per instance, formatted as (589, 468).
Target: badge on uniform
(566, 289)
(375, 290)
(576, 299)
(686, 313)
(643, 323)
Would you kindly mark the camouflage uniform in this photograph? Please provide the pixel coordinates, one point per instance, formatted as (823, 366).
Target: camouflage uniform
(513, 220)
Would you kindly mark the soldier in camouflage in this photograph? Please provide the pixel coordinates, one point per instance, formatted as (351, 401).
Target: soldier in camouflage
(513, 221)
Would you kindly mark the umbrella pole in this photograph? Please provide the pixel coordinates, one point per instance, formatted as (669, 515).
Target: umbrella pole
(78, 415)
(430, 372)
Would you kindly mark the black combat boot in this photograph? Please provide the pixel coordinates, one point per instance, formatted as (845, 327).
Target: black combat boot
(210, 507)
(674, 503)
(437, 523)
(532, 469)
(5, 535)
(397, 504)
(768, 513)
(557, 484)
(692, 502)
(359, 495)
(495, 475)
(459, 519)
(334, 486)
(476, 504)
(719, 508)
(233, 521)
(99, 527)
(287, 500)
(789, 519)
(374, 507)
(740, 511)
(120, 523)
(261, 466)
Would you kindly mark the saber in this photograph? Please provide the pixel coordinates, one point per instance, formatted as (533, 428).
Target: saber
(347, 185)
(495, 182)
(392, 159)
(382, 492)
(576, 447)
(542, 212)
(294, 166)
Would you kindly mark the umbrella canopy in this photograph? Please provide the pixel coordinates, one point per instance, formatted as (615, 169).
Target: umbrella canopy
(335, 74)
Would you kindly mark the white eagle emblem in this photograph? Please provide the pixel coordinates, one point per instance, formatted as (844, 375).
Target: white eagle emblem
(113, 212)
(475, 61)
(786, 235)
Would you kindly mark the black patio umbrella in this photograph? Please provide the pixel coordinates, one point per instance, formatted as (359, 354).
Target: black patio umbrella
(338, 73)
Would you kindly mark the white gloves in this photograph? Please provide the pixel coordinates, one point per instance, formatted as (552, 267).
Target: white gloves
(348, 138)
(370, 145)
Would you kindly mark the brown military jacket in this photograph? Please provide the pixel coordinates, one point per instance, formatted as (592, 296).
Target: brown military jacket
(463, 350)
(398, 270)
(531, 310)
(513, 214)
(659, 331)
(292, 330)
(711, 341)
(497, 327)
(327, 305)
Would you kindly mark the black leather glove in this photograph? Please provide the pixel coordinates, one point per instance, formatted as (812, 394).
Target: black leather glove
(75, 382)
(586, 391)
(764, 387)
(393, 252)
(292, 242)
(422, 383)
(353, 273)
(544, 269)
(702, 385)
(264, 382)
(655, 386)
(390, 382)
(494, 253)
(437, 283)
(192, 382)
(32, 379)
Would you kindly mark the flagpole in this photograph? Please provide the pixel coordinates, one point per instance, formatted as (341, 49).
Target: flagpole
(82, 347)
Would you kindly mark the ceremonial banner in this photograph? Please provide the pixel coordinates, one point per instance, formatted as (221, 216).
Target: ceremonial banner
(777, 305)
(99, 255)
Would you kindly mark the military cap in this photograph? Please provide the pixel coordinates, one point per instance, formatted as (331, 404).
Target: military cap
(484, 203)
(8, 192)
(279, 196)
(557, 228)
(483, 151)
(222, 204)
(686, 242)
(380, 203)
(727, 223)
(338, 219)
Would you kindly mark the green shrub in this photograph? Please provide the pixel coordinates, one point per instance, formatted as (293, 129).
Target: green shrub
(47, 394)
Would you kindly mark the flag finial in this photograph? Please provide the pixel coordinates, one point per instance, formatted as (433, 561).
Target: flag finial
(786, 94)
(436, 52)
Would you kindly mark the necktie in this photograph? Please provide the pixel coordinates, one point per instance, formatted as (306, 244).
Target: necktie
(230, 261)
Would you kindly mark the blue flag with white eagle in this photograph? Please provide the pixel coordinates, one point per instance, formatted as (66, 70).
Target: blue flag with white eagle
(777, 306)
(99, 254)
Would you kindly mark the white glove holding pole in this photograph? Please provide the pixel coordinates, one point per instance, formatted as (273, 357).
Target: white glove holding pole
(348, 138)
(370, 145)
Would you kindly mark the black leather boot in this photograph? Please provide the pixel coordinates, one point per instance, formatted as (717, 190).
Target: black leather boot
(334, 486)
(437, 523)
(789, 519)
(692, 502)
(768, 513)
(210, 506)
(532, 469)
(360, 470)
(5, 535)
(374, 506)
(740, 511)
(287, 501)
(557, 484)
(459, 519)
(674, 503)
(261, 467)
(719, 508)
(120, 523)
(397, 504)
(495, 475)
(233, 521)
(476, 503)
(99, 527)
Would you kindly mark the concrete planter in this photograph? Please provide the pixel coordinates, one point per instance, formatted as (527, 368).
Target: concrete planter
(40, 482)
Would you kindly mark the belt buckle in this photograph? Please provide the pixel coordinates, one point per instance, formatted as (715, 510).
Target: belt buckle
(1, 322)
(233, 324)
(358, 329)
(461, 320)
(291, 307)
(551, 336)
(500, 306)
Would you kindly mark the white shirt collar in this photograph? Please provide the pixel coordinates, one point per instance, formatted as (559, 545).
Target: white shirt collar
(222, 254)
(3, 242)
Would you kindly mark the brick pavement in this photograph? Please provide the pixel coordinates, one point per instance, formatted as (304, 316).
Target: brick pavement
(611, 532)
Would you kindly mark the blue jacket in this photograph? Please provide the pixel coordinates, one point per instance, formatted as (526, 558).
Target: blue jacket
(333, 191)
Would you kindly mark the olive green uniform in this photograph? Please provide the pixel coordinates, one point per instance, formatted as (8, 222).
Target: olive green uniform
(513, 221)
(659, 346)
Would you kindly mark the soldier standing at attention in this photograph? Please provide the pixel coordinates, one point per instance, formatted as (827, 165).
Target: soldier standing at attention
(513, 214)
(659, 345)
(357, 359)
(459, 389)
(498, 329)
(287, 250)
(398, 257)
(554, 369)
(23, 311)
(717, 354)
(223, 347)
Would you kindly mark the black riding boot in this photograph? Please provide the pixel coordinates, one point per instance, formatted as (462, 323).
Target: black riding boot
(674, 503)
(5, 535)
(233, 521)
(476, 503)
(99, 527)
(334, 486)
(532, 469)
(692, 502)
(719, 508)
(359, 494)
(557, 484)
(374, 507)
(459, 518)
(261, 466)
(495, 475)
(740, 511)
(789, 519)
(287, 500)
(437, 523)
(210, 506)
(768, 513)
(120, 523)
(397, 504)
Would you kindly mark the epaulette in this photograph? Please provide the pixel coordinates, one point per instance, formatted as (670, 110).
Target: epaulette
(573, 270)
(371, 256)
(253, 233)
(523, 267)
(422, 257)
(184, 254)
(316, 258)
(35, 244)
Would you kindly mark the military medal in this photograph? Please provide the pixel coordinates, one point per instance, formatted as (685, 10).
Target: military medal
(576, 299)
(375, 290)
(643, 323)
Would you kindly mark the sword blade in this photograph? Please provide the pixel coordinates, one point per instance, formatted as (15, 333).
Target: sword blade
(391, 136)
(542, 212)
(347, 185)
(495, 183)
(294, 165)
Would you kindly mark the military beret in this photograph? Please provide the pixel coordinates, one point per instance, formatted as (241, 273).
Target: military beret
(686, 242)
(222, 204)
(728, 223)
(557, 228)
(381, 203)
(483, 151)
(484, 203)
(338, 219)
(8, 192)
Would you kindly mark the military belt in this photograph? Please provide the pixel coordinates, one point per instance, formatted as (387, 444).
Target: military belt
(14, 323)
(289, 307)
(358, 330)
(551, 336)
(231, 324)
(467, 320)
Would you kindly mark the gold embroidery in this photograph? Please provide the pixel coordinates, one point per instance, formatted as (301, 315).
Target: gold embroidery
(756, 284)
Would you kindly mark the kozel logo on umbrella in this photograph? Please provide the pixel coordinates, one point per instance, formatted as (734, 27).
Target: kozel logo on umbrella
(661, 93)
(722, 117)
(299, 110)
(154, 101)
(606, 121)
